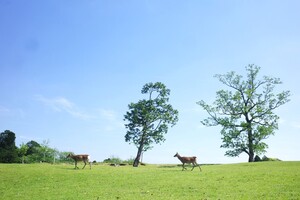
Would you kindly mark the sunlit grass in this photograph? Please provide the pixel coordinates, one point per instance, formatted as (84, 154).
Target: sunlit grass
(265, 180)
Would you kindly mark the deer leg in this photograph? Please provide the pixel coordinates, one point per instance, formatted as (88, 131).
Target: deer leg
(193, 167)
(76, 164)
(84, 164)
(198, 166)
(90, 165)
(183, 167)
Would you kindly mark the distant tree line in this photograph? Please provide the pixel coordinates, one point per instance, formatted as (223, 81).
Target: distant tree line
(30, 152)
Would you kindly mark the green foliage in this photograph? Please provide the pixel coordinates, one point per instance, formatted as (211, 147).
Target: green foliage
(129, 161)
(245, 112)
(257, 158)
(265, 158)
(48, 154)
(22, 151)
(31, 152)
(41, 153)
(117, 160)
(62, 157)
(33, 147)
(262, 180)
(113, 160)
(148, 119)
(8, 149)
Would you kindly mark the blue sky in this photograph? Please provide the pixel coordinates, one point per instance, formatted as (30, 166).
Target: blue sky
(69, 69)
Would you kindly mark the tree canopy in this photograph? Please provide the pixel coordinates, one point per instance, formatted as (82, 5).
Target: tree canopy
(148, 119)
(22, 151)
(245, 111)
(8, 150)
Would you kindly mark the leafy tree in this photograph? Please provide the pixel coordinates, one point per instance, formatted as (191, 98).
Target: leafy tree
(32, 147)
(41, 152)
(8, 150)
(46, 153)
(45, 150)
(246, 111)
(23, 151)
(62, 156)
(54, 155)
(148, 119)
(33, 154)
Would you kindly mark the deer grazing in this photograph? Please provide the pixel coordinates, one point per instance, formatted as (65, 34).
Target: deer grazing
(83, 157)
(188, 160)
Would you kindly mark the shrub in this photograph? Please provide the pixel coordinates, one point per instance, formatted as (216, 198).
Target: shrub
(129, 161)
(113, 160)
(265, 158)
(257, 158)
(118, 161)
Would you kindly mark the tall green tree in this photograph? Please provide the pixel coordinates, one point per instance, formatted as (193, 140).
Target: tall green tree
(33, 147)
(245, 111)
(62, 156)
(33, 152)
(23, 151)
(148, 119)
(47, 153)
(45, 150)
(8, 149)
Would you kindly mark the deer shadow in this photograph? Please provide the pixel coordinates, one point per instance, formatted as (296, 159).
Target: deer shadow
(168, 166)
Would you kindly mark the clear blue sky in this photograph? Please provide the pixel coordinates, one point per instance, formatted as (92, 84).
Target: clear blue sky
(69, 69)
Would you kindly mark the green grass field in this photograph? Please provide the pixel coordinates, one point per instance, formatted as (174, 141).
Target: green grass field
(264, 180)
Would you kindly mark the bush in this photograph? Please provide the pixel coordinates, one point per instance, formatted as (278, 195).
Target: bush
(257, 158)
(113, 160)
(265, 158)
(118, 161)
(129, 161)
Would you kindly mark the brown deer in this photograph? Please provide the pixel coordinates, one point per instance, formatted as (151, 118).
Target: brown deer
(188, 160)
(83, 157)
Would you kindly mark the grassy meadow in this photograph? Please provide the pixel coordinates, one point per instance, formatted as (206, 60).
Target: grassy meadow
(263, 180)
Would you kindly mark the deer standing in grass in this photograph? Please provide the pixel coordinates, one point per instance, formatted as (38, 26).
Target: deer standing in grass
(83, 157)
(188, 160)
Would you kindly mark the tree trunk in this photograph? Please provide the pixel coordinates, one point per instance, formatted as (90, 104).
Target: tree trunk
(138, 156)
(251, 151)
(137, 159)
(251, 156)
(139, 153)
